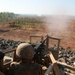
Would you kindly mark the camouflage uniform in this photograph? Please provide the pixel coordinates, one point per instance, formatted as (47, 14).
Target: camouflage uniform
(25, 68)
(1, 73)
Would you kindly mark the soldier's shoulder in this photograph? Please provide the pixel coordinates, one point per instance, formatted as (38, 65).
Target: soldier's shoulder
(36, 66)
(38, 69)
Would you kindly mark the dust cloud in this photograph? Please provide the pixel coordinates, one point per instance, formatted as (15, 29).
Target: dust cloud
(57, 25)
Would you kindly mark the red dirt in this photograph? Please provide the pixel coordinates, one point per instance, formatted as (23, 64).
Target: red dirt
(67, 37)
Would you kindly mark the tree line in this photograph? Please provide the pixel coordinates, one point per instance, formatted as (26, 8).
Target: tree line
(17, 19)
(5, 17)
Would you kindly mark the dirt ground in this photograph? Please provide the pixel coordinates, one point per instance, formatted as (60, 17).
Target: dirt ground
(67, 36)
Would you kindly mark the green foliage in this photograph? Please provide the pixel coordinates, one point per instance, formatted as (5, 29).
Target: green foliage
(16, 20)
(5, 17)
(27, 21)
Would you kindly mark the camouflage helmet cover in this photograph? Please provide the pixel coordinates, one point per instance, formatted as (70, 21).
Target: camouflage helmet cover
(25, 50)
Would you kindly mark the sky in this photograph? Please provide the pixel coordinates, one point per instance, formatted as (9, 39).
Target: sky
(39, 7)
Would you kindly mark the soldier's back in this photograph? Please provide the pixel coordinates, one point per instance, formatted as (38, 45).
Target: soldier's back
(26, 69)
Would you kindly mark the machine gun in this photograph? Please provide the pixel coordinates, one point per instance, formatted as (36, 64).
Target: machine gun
(42, 48)
(40, 51)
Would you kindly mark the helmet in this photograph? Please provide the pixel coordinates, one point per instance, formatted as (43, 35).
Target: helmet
(25, 50)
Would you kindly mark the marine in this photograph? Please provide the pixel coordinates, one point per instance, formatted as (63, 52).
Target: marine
(26, 66)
